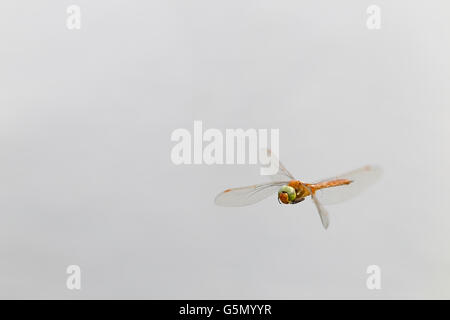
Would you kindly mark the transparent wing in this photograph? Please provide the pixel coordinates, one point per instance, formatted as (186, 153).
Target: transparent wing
(324, 217)
(283, 173)
(362, 178)
(244, 196)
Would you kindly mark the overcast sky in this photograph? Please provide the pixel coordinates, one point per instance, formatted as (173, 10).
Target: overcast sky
(86, 176)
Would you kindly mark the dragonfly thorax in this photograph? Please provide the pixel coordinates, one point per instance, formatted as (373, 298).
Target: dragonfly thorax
(292, 193)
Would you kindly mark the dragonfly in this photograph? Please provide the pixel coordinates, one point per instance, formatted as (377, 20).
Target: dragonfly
(292, 191)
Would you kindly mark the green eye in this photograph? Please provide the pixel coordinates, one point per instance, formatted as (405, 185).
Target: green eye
(290, 192)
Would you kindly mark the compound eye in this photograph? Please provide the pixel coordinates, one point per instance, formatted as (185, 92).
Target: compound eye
(283, 197)
(289, 194)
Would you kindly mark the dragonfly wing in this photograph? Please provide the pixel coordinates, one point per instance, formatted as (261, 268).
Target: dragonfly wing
(361, 179)
(324, 216)
(283, 173)
(244, 196)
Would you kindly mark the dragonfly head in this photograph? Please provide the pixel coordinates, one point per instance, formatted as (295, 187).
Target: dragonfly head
(286, 194)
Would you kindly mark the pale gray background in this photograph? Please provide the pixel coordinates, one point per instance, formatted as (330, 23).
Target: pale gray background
(85, 170)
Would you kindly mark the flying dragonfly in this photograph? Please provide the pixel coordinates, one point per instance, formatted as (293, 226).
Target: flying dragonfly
(292, 191)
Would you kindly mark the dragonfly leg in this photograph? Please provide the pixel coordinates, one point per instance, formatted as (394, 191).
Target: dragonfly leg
(297, 200)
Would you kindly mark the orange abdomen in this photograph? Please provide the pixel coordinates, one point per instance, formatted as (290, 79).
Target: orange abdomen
(329, 184)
